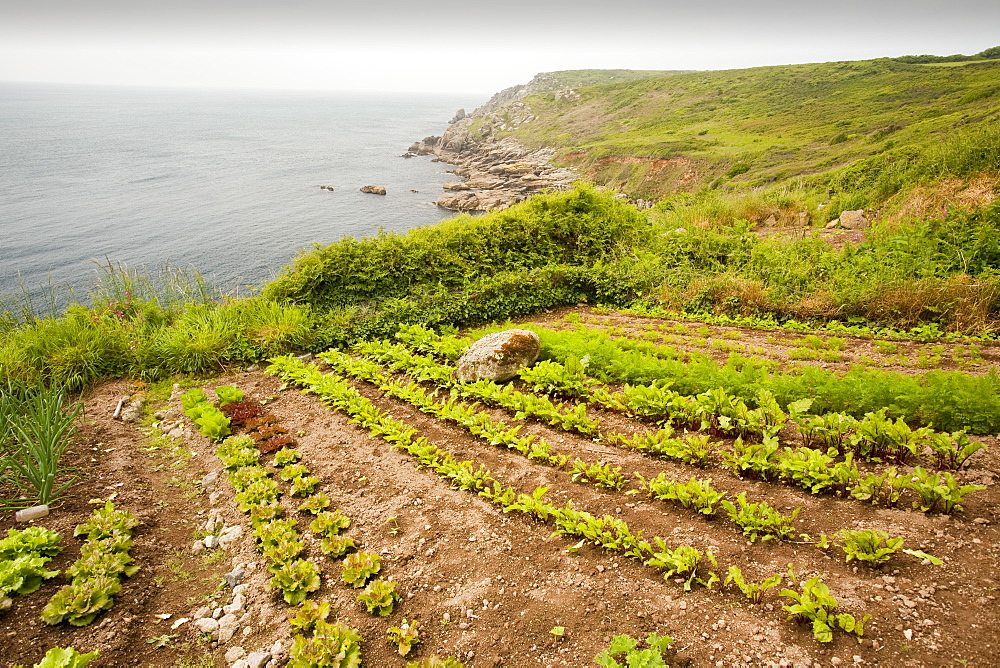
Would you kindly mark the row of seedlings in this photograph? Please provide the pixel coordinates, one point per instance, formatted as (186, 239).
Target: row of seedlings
(757, 520)
(876, 438)
(754, 519)
(23, 557)
(813, 604)
(317, 640)
(96, 575)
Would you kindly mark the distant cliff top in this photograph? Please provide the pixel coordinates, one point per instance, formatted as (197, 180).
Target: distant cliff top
(845, 126)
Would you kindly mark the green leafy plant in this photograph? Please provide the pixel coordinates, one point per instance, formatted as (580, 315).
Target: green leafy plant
(228, 394)
(869, 545)
(96, 573)
(286, 456)
(336, 546)
(66, 657)
(330, 524)
(940, 491)
(331, 645)
(33, 540)
(760, 520)
(681, 562)
(359, 567)
(696, 494)
(80, 602)
(315, 504)
(296, 579)
(625, 646)
(309, 614)
(404, 636)
(379, 597)
(599, 474)
(815, 605)
(305, 485)
(754, 591)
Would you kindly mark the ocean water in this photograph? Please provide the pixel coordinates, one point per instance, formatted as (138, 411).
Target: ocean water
(220, 181)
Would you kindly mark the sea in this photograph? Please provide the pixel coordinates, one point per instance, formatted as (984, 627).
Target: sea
(225, 183)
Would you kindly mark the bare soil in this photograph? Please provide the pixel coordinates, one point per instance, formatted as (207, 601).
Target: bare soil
(489, 587)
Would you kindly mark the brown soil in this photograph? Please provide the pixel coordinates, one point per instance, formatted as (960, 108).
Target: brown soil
(504, 581)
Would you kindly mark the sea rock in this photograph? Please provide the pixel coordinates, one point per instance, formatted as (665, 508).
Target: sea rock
(499, 356)
(374, 190)
(459, 115)
(854, 220)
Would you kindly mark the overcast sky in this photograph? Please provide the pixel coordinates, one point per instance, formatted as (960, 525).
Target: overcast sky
(457, 46)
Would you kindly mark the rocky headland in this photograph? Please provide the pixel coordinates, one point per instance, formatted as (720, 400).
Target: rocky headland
(495, 171)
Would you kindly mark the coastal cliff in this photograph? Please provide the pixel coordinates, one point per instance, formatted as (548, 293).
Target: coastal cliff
(495, 171)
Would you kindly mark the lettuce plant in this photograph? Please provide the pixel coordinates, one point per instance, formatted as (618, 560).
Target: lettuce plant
(296, 580)
(404, 636)
(380, 597)
(331, 645)
(360, 567)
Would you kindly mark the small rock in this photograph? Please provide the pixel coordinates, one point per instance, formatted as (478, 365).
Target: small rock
(206, 624)
(217, 613)
(247, 630)
(229, 536)
(277, 648)
(211, 542)
(198, 547)
(228, 626)
(258, 659)
(980, 520)
(235, 654)
(202, 612)
(908, 633)
(374, 190)
(242, 663)
(234, 577)
(239, 590)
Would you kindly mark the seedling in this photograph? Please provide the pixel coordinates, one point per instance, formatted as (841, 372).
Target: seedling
(404, 636)
(752, 590)
(869, 546)
(625, 646)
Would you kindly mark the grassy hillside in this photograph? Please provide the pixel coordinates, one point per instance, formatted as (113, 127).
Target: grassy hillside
(774, 125)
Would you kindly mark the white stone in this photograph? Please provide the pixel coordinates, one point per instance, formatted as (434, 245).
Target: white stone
(258, 659)
(235, 654)
(202, 612)
(206, 624)
(33, 513)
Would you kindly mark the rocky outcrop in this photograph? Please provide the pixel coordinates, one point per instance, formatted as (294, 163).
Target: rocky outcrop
(498, 356)
(374, 190)
(851, 220)
(497, 170)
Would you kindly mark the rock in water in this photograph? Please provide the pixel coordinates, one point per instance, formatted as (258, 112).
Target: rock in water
(498, 356)
(374, 190)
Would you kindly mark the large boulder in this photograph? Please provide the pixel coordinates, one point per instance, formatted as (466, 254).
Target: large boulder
(854, 220)
(374, 190)
(499, 356)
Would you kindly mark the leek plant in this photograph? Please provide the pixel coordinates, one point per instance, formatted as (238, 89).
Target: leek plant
(35, 429)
